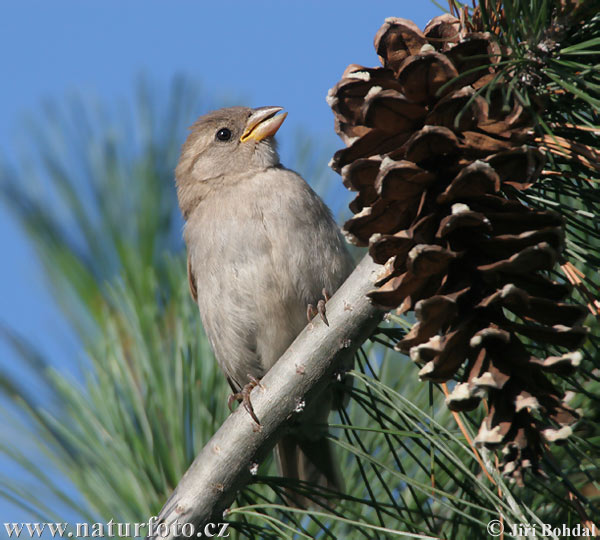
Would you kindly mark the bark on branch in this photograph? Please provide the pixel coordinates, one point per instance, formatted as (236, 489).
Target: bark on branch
(223, 466)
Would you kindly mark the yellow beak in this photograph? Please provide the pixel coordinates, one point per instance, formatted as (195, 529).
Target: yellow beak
(263, 123)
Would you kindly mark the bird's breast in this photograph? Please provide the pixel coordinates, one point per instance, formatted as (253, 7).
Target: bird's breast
(260, 253)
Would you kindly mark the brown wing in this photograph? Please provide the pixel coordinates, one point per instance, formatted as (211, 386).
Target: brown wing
(192, 280)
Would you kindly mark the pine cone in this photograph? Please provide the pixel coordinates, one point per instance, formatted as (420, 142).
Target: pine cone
(437, 168)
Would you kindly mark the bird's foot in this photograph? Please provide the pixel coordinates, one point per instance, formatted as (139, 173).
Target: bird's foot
(244, 396)
(320, 309)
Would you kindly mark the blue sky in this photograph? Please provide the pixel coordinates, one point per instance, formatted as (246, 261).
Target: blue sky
(261, 53)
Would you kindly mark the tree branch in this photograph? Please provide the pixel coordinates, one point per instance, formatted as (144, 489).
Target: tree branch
(223, 466)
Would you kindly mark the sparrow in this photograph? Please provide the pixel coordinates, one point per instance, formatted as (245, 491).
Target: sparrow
(262, 249)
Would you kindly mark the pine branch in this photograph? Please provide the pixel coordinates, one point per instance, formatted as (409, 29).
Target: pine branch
(224, 464)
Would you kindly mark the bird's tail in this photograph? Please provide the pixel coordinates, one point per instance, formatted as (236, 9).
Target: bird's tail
(311, 461)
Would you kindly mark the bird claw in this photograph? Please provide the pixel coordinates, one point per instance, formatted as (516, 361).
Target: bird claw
(231, 399)
(255, 381)
(321, 309)
(244, 396)
(311, 311)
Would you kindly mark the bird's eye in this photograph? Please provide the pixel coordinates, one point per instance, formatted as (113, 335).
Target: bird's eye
(223, 134)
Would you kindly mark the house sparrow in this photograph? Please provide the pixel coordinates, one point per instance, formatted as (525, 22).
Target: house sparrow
(262, 246)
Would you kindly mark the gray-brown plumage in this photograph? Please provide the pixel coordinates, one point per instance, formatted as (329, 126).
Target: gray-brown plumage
(261, 247)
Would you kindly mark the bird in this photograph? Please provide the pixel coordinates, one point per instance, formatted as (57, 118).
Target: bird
(263, 249)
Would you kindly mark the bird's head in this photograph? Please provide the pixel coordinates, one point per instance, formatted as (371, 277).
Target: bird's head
(228, 142)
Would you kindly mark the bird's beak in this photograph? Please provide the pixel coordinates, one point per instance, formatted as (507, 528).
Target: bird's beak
(263, 123)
